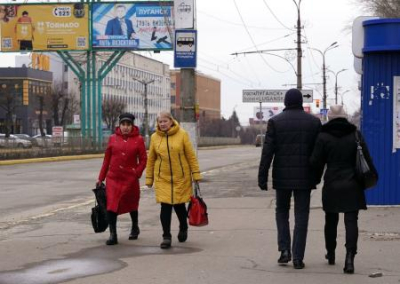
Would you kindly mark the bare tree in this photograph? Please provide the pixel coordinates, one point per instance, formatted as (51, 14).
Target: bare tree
(9, 102)
(381, 8)
(111, 109)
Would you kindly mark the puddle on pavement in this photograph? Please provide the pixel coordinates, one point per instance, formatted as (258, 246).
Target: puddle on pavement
(93, 261)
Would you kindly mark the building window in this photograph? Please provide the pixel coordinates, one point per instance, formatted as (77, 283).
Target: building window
(65, 68)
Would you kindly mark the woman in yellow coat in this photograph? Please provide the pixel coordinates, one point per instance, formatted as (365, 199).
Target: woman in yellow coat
(171, 167)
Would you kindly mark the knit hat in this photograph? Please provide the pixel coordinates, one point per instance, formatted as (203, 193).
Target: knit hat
(126, 117)
(293, 97)
(336, 111)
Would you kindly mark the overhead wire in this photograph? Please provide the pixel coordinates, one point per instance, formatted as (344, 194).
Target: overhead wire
(252, 40)
(237, 24)
(276, 18)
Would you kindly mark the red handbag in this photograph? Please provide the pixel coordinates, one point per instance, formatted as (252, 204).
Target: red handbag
(197, 211)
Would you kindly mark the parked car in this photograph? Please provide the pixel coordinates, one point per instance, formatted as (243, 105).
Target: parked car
(259, 140)
(14, 142)
(44, 141)
(27, 137)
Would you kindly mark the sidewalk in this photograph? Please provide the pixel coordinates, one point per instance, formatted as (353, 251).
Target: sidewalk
(238, 246)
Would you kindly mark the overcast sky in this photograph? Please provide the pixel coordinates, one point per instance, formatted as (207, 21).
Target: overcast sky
(229, 26)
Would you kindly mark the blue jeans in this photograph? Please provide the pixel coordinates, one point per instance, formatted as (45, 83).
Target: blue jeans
(301, 213)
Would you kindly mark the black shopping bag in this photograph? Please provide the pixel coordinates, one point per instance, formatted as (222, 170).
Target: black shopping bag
(99, 211)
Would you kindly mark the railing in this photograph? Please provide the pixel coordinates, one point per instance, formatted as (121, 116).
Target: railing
(49, 148)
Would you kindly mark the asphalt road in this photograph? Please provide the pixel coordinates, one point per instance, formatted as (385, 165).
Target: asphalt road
(31, 190)
(50, 239)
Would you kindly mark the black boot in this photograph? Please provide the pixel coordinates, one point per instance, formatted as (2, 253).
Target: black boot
(330, 256)
(135, 231)
(112, 219)
(166, 243)
(285, 257)
(349, 263)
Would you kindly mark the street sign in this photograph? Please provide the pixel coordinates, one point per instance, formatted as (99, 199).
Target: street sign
(185, 54)
(272, 96)
(323, 111)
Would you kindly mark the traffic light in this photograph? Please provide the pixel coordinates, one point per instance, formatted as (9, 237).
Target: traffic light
(317, 103)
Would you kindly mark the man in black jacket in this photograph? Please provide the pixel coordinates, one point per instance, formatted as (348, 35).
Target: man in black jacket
(289, 142)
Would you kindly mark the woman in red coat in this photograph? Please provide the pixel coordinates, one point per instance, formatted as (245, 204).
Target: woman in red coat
(124, 162)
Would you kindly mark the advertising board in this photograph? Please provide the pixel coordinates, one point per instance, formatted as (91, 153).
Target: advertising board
(44, 27)
(266, 112)
(132, 25)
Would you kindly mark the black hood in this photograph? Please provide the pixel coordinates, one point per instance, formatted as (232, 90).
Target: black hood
(338, 127)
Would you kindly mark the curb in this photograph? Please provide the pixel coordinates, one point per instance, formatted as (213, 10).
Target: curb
(51, 159)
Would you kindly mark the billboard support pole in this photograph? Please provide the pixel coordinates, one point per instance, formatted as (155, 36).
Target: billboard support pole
(80, 73)
(101, 74)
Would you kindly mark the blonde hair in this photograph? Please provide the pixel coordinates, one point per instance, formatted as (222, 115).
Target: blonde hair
(165, 114)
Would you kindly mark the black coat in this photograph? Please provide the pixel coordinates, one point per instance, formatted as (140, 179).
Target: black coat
(336, 148)
(289, 142)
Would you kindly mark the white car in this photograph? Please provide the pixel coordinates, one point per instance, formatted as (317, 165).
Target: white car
(14, 142)
(44, 141)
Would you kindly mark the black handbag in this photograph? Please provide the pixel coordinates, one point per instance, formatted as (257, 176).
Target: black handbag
(99, 211)
(365, 169)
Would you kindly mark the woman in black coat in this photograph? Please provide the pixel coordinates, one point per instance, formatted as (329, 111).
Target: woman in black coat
(342, 193)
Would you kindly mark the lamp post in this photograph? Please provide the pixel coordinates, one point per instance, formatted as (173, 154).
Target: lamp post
(146, 112)
(330, 47)
(342, 95)
(336, 85)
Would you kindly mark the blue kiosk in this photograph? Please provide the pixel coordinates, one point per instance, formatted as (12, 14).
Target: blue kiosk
(380, 106)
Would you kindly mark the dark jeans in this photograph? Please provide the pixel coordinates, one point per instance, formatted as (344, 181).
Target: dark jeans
(301, 213)
(351, 225)
(165, 217)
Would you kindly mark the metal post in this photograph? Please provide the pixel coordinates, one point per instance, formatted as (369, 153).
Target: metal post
(299, 50)
(324, 81)
(146, 115)
(94, 97)
(188, 99)
(88, 104)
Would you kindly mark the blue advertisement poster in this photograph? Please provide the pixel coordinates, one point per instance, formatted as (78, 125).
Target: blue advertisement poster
(132, 25)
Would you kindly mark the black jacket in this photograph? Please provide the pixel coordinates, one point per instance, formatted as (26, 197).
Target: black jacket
(289, 142)
(336, 148)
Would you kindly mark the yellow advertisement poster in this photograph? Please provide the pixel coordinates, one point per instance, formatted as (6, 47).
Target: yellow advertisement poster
(44, 27)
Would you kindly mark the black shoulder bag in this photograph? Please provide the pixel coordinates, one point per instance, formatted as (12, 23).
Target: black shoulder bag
(365, 172)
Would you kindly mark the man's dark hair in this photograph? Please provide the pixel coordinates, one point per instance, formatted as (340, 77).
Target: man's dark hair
(25, 13)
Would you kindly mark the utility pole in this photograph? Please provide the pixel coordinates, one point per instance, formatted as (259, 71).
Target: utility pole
(299, 50)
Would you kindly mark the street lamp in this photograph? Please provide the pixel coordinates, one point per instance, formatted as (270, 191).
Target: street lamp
(342, 95)
(336, 85)
(330, 47)
(146, 112)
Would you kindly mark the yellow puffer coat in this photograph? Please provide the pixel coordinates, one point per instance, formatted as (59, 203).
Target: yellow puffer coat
(171, 165)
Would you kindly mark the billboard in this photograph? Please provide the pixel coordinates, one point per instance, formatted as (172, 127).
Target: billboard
(266, 112)
(44, 27)
(132, 25)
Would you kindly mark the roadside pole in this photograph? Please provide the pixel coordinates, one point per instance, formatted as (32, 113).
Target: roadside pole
(185, 58)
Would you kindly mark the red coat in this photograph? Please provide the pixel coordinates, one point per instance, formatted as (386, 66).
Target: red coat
(124, 162)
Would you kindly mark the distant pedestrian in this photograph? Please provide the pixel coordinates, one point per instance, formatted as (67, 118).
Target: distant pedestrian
(289, 142)
(336, 148)
(172, 166)
(124, 162)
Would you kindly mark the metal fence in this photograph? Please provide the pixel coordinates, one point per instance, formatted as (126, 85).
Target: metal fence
(43, 147)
